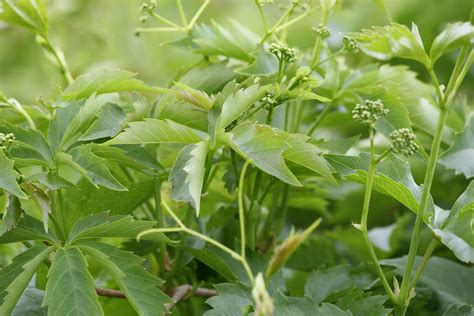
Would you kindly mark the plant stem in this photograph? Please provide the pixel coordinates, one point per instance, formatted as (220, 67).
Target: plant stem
(320, 118)
(166, 21)
(182, 14)
(365, 214)
(198, 14)
(279, 22)
(424, 262)
(19, 108)
(318, 44)
(60, 60)
(241, 210)
(262, 16)
(283, 209)
(161, 222)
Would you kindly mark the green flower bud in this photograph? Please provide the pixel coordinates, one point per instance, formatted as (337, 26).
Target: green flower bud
(322, 31)
(350, 45)
(368, 112)
(283, 52)
(268, 101)
(404, 142)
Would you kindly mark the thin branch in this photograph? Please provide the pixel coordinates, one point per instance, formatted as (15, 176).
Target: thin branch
(183, 291)
(109, 293)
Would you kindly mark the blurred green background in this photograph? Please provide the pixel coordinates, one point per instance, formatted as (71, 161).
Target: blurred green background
(100, 33)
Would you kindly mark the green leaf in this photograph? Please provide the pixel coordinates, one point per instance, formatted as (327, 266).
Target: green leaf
(70, 289)
(454, 35)
(30, 14)
(302, 306)
(456, 231)
(196, 97)
(30, 303)
(231, 300)
(363, 304)
(153, 131)
(28, 228)
(232, 40)
(459, 156)
(453, 285)
(103, 225)
(139, 286)
(104, 81)
(95, 167)
(264, 147)
(187, 174)
(265, 64)
(15, 277)
(107, 123)
(238, 103)
(394, 40)
(8, 178)
(11, 216)
(324, 282)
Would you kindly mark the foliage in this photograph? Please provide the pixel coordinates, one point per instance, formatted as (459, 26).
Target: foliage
(232, 189)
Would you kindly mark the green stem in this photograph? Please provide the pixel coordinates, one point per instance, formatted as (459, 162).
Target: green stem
(339, 52)
(283, 209)
(365, 214)
(255, 189)
(19, 108)
(262, 16)
(320, 118)
(318, 44)
(281, 70)
(161, 222)
(415, 240)
(424, 262)
(279, 22)
(61, 62)
(242, 210)
(181, 13)
(198, 14)
(166, 21)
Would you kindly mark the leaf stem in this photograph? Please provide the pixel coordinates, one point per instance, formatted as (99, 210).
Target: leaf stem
(198, 14)
(365, 214)
(182, 14)
(262, 16)
(242, 210)
(424, 262)
(318, 43)
(60, 60)
(19, 108)
(166, 21)
(320, 118)
(280, 21)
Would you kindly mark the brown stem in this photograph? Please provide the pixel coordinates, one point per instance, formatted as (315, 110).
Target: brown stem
(109, 293)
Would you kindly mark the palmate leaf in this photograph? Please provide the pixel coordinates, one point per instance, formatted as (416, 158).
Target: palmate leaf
(187, 174)
(302, 306)
(8, 177)
(363, 304)
(15, 277)
(454, 35)
(153, 131)
(450, 280)
(394, 40)
(104, 81)
(459, 156)
(231, 300)
(70, 289)
(103, 225)
(30, 14)
(139, 286)
(457, 230)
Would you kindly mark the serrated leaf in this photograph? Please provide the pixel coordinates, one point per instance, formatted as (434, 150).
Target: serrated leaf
(263, 146)
(187, 174)
(459, 155)
(95, 168)
(196, 97)
(453, 285)
(457, 230)
(324, 282)
(153, 131)
(104, 81)
(70, 289)
(238, 103)
(103, 225)
(265, 64)
(28, 228)
(231, 300)
(139, 286)
(30, 303)
(30, 14)
(394, 40)
(8, 178)
(454, 35)
(302, 306)
(15, 277)
(232, 40)
(363, 304)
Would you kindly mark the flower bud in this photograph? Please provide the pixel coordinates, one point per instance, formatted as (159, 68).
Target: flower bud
(283, 52)
(263, 301)
(268, 101)
(404, 142)
(322, 31)
(350, 45)
(368, 112)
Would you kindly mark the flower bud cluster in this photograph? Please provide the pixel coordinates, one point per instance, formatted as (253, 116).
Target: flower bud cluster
(150, 6)
(404, 142)
(6, 141)
(368, 112)
(350, 45)
(283, 52)
(322, 31)
(268, 101)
